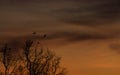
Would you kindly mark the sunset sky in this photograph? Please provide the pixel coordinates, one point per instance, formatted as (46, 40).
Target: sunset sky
(85, 33)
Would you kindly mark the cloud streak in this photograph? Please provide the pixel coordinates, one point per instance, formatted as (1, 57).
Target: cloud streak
(56, 17)
(90, 13)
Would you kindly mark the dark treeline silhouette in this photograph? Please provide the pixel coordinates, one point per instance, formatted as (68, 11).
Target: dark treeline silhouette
(30, 59)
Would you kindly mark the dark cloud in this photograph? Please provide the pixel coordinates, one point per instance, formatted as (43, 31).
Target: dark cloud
(80, 12)
(76, 36)
(47, 15)
(90, 12)
(18, 41)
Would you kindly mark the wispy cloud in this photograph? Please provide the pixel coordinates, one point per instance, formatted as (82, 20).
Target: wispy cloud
(58, 16)
(90, 12)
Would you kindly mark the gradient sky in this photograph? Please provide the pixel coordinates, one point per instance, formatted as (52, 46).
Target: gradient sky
(86, 33)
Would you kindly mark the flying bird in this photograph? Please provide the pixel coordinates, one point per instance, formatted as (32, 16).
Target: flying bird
(34, 33)
(44, 36)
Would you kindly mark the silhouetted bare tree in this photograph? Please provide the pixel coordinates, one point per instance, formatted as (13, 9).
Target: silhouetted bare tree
(34, 60)
(8, 62)
(39, 61)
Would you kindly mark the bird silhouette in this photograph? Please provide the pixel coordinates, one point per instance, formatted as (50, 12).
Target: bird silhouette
(44, 36)
(34, 33)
